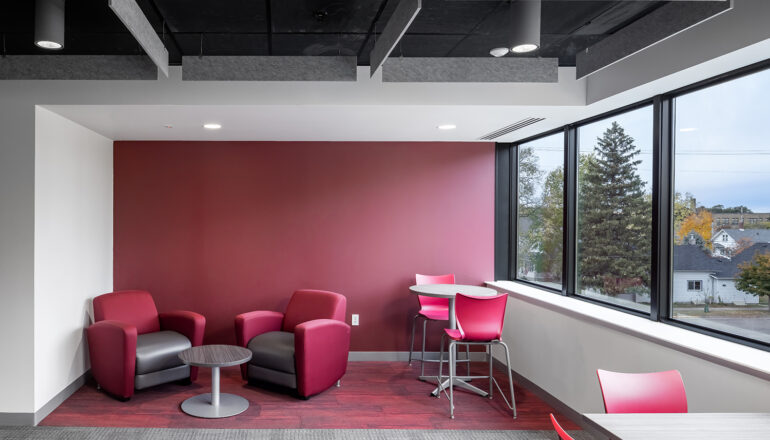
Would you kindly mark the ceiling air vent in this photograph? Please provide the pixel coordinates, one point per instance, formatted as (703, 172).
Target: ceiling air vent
(510, 128)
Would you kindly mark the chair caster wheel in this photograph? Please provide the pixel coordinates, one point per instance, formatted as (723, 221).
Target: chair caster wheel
(452, 417)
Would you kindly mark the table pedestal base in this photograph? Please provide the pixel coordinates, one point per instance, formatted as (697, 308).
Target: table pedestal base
(229, 405)
(459, 382)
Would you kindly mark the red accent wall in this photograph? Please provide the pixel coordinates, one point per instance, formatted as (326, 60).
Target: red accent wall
(223, 228)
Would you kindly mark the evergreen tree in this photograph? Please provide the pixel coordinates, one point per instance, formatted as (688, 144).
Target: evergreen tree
(549, 226)
(614, 219)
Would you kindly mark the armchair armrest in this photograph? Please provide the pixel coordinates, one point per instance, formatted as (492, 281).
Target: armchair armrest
(112, 349)
(321, 354)
(248, 325)
(190, 324)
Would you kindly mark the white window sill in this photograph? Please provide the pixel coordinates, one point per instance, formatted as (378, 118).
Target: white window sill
(729, 354)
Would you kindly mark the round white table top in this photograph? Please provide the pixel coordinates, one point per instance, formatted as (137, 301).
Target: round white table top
(450, 290)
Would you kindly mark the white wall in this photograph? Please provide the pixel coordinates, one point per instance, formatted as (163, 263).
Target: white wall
(17, 210)
(560, 353)
(73, 245)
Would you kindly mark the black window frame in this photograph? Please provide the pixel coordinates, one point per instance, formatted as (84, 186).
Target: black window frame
(661, 282)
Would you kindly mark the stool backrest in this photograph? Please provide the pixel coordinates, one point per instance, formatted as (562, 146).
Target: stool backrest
(659, 392)
(433, 279)
(480, 318)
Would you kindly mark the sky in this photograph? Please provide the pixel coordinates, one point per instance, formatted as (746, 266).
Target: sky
(721, 155)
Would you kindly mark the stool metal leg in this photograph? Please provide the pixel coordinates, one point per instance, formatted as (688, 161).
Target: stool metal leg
(411, 344)
(452, 346)
(510, 378)
(491, 388)
(422, 357)
(468, 358)
(440, 365)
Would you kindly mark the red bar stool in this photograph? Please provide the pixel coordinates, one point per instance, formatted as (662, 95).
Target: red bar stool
(559, 430)
(431, 309)
(660, 392)
(479, 322)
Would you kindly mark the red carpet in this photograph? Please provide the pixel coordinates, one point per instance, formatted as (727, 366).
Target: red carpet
(373, 395)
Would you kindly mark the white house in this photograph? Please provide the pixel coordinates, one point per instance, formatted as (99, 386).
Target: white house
(726, 241)
(699, 276)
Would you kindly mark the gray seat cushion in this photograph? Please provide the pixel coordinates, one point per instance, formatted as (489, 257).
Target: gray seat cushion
(158, 351)
(274, 351)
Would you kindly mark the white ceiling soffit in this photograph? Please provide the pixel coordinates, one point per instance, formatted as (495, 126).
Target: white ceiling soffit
(133, 18)
(300, 122)
(510, 128)
(395, 28)
(660, 24)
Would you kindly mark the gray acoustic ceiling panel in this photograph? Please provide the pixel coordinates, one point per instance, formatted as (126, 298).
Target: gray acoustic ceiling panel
(509, 69)
(135, 21)
(660, 24)
(78, 67)
(397, 25)
(269, 68)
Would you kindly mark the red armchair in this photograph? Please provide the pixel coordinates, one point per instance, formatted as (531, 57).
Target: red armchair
(305, 348)
(132, 346)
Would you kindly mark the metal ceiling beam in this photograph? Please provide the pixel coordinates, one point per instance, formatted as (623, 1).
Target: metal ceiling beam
(77, 67)
(135, 21)
(662, 23)
(511, 70)
(399, 22)
(269, 68)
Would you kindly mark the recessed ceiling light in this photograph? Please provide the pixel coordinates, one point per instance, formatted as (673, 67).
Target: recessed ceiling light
(499, 52)
(48, 44)
(447, 127)
(688, 129)
(524, 48)
(212, 126)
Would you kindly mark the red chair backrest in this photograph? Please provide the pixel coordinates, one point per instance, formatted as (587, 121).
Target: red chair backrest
(559, 430)
(134, 307)
(661, 392)
(480, 318)
(307, 305)
(434, 279)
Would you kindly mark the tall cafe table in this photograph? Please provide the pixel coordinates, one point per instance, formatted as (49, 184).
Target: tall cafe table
(449, 291)
(683, 426)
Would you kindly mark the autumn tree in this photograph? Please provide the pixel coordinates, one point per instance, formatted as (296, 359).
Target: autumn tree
(614, 220)
(699, 222)
(754, 277)
(684, 206)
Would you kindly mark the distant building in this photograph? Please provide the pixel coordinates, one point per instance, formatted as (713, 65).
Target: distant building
(699, 277)
(739, 220)
(726, 241)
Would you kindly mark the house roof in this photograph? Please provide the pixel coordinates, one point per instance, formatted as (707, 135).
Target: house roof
(755, 235)
(694, 258)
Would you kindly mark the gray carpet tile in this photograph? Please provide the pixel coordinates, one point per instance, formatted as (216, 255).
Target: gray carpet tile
(74, 433)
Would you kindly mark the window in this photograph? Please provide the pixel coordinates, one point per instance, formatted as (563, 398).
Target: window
(722, 154)
(614, 209)
(540, 211)
(704, 262)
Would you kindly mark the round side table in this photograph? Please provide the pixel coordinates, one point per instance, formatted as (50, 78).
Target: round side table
(215, 405)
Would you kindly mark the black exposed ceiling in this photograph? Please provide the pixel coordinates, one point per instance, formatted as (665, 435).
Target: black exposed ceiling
(459, 28)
